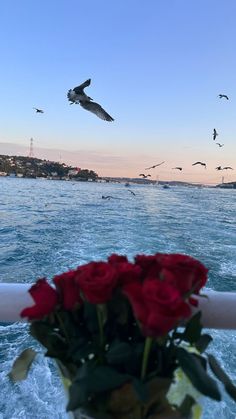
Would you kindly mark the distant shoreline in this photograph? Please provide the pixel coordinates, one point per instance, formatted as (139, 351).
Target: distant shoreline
(34, 168)
(131, 181)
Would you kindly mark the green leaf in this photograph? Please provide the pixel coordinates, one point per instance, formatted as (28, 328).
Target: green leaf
(119, 353)
(81, 349)
(186, 406)
(202, 343)
(222, 376)
(105, 378)
(79, 389)
(92, 380)
(78, 396)
(22, 365)
(193, 329)
(40, 331)
(194, 370)
(90, 317)
(202, 360)
(118, 306)
(66, 319)
(49, 338)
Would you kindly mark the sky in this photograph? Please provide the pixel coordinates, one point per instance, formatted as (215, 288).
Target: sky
(156, 66)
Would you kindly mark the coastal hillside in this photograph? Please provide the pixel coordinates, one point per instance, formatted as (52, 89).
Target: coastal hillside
(228, 185)
(31, 167)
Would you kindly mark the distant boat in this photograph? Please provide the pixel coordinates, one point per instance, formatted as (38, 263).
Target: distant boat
(165, 187)
(127, 184)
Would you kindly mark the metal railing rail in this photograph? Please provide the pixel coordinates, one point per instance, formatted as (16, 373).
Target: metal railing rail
(218, 308)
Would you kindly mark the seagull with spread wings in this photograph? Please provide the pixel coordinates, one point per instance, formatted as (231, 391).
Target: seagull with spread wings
(131, 192)
(224, 96)
(177, 168)
(155, 165)
(220, 145)
(215, 133)
(78, 96)
(107, 197)
(38, 110)
(144, 176)
(199, 162)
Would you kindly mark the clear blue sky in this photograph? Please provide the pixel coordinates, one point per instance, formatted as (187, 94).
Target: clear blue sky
(156, 66)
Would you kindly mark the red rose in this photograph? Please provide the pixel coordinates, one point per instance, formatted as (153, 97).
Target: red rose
(149, 264)
(68, 289)
(126, 271)
(157, 305)
(166, 307)
(97, 281)
(185, 272)
(45, 297)
(114, 258)
(134, 293)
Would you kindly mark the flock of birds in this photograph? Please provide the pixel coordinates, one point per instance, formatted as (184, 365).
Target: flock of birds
(215, 134)
(78, 96)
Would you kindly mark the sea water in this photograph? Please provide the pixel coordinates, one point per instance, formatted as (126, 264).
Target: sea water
(48, 227)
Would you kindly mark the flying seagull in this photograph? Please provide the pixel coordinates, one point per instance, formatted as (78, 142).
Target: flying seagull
(155, 165)
(178, 168)
(220, 145)
(78, 96)
(38, 110)
(225, 96)
(144, 176)
(219, 168)
(199, 162)
(215, 133)
(227, 167)
(107, 197)
(131, 192)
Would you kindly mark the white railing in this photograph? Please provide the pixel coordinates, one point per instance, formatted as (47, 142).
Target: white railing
(218, 309)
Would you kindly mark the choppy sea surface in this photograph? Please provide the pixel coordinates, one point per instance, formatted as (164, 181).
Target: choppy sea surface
(48, 227)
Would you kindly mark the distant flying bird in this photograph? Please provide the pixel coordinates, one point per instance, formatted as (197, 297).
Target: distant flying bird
(107, 197)
(218, 168)
(227, 167)
(144, 176)
(153, 167)
(215, 133)
(38, 110)
(220, 145)
(131, 192)
(78, 96)
(225, 96)
(178, 168)
(199, 162)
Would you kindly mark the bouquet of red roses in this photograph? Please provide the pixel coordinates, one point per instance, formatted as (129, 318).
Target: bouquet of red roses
(120, 330)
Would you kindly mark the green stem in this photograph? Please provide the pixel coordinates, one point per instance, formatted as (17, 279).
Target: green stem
(100, 325)
(62, 327)
(147, 348)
